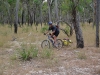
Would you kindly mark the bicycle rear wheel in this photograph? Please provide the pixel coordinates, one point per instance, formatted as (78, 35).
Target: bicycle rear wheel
(45, 44)
(59, 43)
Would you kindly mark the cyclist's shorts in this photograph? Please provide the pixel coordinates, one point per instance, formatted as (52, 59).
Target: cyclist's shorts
(56, 33)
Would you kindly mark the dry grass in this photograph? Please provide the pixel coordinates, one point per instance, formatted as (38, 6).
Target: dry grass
(67, 57)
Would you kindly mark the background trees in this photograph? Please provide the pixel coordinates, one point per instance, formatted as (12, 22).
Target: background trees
(34, 12)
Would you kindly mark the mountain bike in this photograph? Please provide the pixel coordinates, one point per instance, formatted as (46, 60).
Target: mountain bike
(49, 41)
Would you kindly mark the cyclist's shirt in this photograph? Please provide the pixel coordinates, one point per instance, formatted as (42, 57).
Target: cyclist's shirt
(54, 28)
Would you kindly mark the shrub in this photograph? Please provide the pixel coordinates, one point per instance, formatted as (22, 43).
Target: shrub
(28, 52)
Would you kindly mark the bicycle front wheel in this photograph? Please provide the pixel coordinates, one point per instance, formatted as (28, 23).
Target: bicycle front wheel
(59, 43)
(45, 44)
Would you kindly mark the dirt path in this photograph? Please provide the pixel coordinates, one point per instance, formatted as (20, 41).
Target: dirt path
(67, 61)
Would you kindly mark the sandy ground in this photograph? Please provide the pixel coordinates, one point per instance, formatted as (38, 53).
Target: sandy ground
(67, 61)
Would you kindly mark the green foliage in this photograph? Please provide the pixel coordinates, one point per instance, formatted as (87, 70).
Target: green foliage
(67, 31)
(34, 51)
(25, 54)
(28, 52)
(44, 8)
(11, 2)
(44, 29)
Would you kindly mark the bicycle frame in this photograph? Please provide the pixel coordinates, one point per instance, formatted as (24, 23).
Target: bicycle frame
(50, 38)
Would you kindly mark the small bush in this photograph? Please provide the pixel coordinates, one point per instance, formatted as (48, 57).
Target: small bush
(28, 52)
(25, 54)
(34, 51)
(67, 30)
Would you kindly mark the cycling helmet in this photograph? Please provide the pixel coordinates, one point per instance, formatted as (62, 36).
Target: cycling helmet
(50, 23)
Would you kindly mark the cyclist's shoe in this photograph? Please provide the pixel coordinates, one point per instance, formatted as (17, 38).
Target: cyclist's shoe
(55, 45)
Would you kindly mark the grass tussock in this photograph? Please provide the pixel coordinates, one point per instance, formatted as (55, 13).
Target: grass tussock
(81, 55)
(27, 52)
(46, 53)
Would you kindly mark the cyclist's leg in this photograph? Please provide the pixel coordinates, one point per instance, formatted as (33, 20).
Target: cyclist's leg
(55, 37)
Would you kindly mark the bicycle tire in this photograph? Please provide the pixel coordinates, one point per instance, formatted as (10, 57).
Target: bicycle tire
(59, 43)
(45, 44)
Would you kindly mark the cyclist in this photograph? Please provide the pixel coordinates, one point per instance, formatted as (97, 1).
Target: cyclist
(55, 31)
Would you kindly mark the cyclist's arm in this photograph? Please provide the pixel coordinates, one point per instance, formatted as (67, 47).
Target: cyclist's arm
(47, 31)
(52, 33)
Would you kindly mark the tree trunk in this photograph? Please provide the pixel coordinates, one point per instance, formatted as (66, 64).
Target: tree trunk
(22, 17)
(49, 11)
(56, 10)
(97, 22)
(41, 14)
(94, 13)
(16, 17)
(78, 31)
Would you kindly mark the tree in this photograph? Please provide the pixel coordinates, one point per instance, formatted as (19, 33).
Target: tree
(75, 21)
(56, 10)
(97, 22)
(16, 17)
(50, 3)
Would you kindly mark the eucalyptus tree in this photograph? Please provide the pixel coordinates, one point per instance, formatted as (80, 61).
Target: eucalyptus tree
(16, 17)
(56, 10)
(45, 12)
(4, 11)
(97, 17)
(74, 7)
(50, 3)
(75, 21)
(38, 9)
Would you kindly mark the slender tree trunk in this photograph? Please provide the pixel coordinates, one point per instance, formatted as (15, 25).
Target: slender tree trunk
(49, 11)
(56, 10)
(31, 18)
(16, 17)
(97, 22)
(94, 13)
(22, 17)
(41, 14)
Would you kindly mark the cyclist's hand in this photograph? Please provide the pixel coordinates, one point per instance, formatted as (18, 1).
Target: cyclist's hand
(49, 33)
(44, 33)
